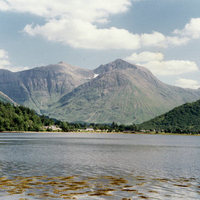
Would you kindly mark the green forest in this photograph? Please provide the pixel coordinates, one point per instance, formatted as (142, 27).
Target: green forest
(21, 118)
(182, 119)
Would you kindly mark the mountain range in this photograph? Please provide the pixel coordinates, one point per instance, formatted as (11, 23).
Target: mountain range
(38, 88)
(117, 91)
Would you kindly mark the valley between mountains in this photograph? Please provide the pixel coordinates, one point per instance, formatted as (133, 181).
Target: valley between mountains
(117, 92)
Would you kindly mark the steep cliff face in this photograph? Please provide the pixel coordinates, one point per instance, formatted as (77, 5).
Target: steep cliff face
(123, 93)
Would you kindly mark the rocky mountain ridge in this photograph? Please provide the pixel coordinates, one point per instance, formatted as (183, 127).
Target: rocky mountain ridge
(123, 93)
(117, 91)
(39, 87)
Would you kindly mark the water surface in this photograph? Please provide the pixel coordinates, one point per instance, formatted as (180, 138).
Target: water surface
(99, 166)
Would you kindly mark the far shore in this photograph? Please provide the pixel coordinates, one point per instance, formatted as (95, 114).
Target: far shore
(104, 132)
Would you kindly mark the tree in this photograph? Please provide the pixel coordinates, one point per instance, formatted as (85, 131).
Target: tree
(64, 126)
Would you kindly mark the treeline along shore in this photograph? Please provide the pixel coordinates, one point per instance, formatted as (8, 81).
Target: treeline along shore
(20, 118)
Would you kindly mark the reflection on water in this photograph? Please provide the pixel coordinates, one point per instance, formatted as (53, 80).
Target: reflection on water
(98, 166)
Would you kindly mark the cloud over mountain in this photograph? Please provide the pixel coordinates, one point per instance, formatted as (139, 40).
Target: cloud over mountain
(4, 59)
(187, 83)
(159, 66)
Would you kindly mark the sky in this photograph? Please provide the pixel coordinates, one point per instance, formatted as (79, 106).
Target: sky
(161, 35)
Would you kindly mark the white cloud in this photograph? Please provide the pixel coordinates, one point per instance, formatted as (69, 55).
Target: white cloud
(79, 33)
(74, 22)
(17, 69)
(4, 58)
(5, 63)
(187, 83)
(157, 65)
(191, 29)
(160, 40)
(145, 56)
(88, 10)
(177, 40)
(171, 67)
(3, 54)
(82, 34)
(154, 39)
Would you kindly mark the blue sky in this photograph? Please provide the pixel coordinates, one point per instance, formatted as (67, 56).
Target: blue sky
(162, 35)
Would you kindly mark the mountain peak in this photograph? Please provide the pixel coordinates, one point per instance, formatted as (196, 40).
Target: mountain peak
(118, 64)
(121, 62)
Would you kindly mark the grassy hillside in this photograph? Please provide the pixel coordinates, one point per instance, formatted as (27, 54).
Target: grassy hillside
(182, 119)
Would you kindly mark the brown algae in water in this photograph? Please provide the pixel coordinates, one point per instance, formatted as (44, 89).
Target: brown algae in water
(143, 197)
(71, 186)
(152, 191)
(129, 190)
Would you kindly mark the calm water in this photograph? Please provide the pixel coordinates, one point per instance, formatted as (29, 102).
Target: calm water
(99, 166)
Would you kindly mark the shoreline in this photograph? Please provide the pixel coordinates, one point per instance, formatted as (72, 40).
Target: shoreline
(95, 132)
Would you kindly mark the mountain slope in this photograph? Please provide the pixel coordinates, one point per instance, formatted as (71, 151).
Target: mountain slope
(185, 118)
(5, 98)
(39, 87)
(123, 93)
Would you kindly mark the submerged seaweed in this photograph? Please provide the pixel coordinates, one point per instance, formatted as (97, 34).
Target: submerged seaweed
(72, 187)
